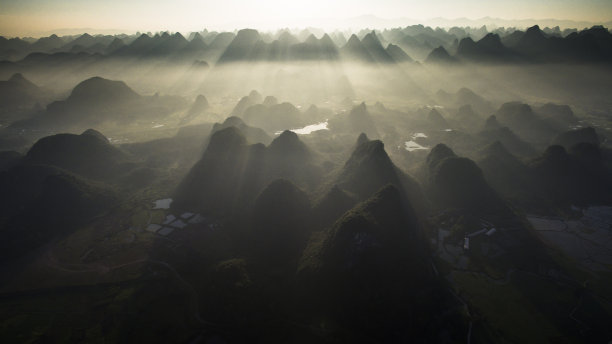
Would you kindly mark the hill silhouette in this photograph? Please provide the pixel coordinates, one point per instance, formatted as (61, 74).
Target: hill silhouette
(369, 168)
(331, 206)
(281, 214)
(578, 178)
(213, 182)
(98, 101)
(89, 154)
(313, 49)
(371, 260)
(357, 121)
(47, 43)
(242, 46)
(354, 49)
(441, 56)
(521, 119)
(115, 45)
(41, 203)
(535, 45)
(492, 123)
(372, 44)
(507, 137)
(398, 54)
(245, 102)
(270, 101)
(18, 93)
(91, 102)
(466, 96)
(252, 134)
(487, 49)
(573, 137)
(435, 119)
(99, 91)
(231, 173)
(196, 45)
(288, 157)
(198, 108)
(561, 114)
(457, 182)
(466, 118)
(505, 172)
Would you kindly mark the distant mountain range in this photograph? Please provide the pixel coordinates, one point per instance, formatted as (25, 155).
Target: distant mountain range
(372, 22)
(400, 44)
(592, 45)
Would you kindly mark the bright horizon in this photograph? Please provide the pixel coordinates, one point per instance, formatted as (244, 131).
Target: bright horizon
(40, 17)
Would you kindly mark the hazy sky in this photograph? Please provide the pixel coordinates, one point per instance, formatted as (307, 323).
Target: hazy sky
(22, 17)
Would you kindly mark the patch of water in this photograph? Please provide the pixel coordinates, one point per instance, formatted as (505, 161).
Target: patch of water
(413, 146)
(308, 129)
